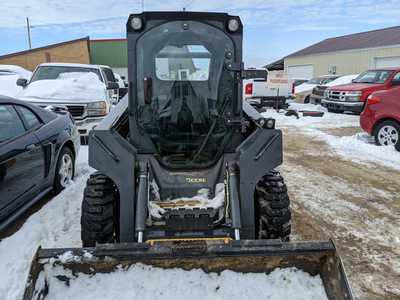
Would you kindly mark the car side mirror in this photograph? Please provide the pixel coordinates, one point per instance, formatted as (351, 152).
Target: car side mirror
(22, 82)
(112, 86)
(147, 89)
(253, 74)
(396, 82)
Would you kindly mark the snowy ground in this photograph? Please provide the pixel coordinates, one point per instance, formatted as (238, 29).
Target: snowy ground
(344, 188)
(336, 191)
(55, 225)
(358, 147)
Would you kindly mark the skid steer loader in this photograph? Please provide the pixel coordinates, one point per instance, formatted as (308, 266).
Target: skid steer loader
(186, 171)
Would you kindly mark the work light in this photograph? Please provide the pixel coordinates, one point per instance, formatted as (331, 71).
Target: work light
(233, 25)
(136, 23)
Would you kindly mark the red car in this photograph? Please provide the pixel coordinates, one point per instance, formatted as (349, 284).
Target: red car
(352, 97)
(381, 115)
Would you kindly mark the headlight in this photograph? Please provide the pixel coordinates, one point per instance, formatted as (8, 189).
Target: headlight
(353, 96)
(326, 94)
(97, 109)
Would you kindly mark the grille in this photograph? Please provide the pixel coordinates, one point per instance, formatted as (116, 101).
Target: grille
(338, 96)
(76, 110)
(319, 91)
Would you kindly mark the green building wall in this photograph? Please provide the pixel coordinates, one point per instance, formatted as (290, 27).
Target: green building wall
(112, 52)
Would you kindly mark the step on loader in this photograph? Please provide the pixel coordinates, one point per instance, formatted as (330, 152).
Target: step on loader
(186, 171)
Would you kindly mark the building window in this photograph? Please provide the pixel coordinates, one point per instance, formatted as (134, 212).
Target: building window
(48, 56)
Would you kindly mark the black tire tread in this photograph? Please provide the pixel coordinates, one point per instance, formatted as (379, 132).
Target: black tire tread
(98, 211)
(273, 215)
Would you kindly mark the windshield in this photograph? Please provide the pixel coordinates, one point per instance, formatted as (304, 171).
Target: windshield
(53, 72)
(378, 76)
(190, 90)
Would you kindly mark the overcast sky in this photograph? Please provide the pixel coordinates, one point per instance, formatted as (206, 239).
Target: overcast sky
(273, 28)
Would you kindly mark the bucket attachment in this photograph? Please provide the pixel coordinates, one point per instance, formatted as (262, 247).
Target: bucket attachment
(260, 256)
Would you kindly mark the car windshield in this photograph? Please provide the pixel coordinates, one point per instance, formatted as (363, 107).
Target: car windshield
(53, 72)
(378, 76)
(189, 90)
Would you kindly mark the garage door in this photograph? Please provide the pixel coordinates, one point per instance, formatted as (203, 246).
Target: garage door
(385, 62)
(301, 72)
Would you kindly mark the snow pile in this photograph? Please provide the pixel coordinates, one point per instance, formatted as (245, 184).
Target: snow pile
(55, 225)
(202, 200)
(8, 85)
(146, 282)
(358, 148)
(329, 120)
(21, 72)
(68, 86)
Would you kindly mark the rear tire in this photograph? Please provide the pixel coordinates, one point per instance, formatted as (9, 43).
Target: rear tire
(387, 133)
(99, 211)
(272, 208)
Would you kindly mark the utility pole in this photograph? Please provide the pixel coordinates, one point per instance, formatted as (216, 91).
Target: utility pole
(28, 26)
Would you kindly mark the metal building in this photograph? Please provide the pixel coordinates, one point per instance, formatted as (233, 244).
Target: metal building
(349, 54)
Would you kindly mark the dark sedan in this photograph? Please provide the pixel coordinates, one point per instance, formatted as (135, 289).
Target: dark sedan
(38, 148)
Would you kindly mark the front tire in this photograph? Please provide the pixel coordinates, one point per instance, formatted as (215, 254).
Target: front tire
(387, 133)
(99, 211)
(272, 208)
(65, 170)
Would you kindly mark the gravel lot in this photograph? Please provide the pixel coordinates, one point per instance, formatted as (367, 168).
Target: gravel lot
(353, 202)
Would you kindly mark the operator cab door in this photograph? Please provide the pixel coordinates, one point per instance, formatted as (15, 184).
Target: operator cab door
(21, 157)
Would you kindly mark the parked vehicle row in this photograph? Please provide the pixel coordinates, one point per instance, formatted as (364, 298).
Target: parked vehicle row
(38, 148)
(318, 92)
(303, 91)
(352, 97)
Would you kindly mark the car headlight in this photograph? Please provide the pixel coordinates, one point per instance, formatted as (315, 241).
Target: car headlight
(97, 109)
(326, 94)
(353, 96)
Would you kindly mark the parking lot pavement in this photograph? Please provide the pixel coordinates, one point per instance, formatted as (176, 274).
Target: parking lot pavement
(355, 203)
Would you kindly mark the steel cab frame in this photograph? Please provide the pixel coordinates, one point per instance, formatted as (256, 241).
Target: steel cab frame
(251, 151)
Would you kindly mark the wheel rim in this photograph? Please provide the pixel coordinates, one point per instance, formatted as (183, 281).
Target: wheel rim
(66, 170)
(388, 135)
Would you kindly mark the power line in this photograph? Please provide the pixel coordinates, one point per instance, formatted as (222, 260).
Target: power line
(188, 4)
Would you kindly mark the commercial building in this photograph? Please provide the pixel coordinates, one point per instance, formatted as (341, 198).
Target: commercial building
(349, 54)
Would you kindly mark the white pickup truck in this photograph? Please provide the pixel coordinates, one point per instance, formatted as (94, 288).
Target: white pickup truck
(87, 91)
(273, 91)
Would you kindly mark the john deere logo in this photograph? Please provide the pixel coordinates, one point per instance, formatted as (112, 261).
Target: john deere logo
(196, 180)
